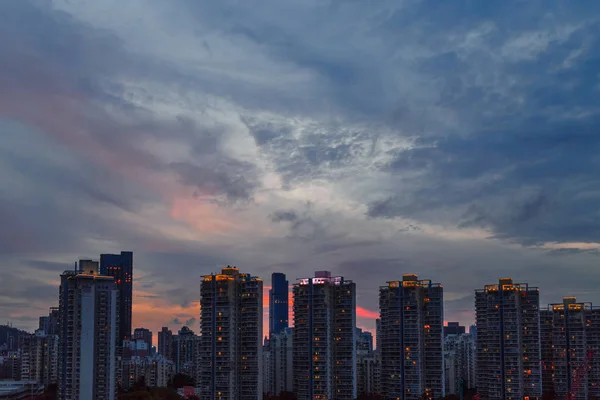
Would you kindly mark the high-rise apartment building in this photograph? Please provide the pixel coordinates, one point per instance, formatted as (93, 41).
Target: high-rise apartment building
(268, 369)
(88, 326)
(412, 318)
(281, 357)
(186, 350)
(459, 363)
(232, 336)
(39, 358)
(378, 335)
(324, 350)
(364, 342)
(278, 303)
(134, 348)
(570, 337)
(508, 341)
(368, 374)
(165, 343)
(453, 328)
(368, 365)
(145, 335)
(120, 266)
(48, 323)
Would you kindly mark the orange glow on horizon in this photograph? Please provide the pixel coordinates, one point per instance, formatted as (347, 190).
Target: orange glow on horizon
(155, 313)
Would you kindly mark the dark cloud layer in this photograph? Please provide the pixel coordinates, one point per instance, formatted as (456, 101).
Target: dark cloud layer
(457, 140)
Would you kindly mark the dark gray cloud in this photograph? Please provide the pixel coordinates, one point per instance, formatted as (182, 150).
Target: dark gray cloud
(202, 147)
(284, 216)
(231, 178)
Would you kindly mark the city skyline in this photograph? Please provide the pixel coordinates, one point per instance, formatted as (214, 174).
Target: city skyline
(515, 338)
(194, 324)
(453, 140)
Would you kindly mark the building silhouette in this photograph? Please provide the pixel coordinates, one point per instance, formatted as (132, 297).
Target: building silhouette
(324, 350)
(120, 266)
(281, 347)
(165, 343)
(368, 365)
(88, 326)
(459, 362)
(278, 303)
(49, 323)
(508, 341)
(39, 358)
(412, 318)
(186, 348)
(454, 328)
(145, 335)
(570, 338)
(231, 365)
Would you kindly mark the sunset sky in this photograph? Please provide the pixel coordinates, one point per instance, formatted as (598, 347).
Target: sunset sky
(458, 140)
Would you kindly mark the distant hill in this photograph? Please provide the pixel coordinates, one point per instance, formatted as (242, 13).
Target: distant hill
(9, 337)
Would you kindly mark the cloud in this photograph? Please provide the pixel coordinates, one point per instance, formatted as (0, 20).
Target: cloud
(457, 141)
(284, 216)
(364, 313)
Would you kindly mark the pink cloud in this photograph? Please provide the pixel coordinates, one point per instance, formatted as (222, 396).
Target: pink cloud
(364, 313)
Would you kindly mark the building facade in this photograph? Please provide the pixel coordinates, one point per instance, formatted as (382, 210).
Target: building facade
(368, 365)
(49, 324)
(459, 362)
(186, 350)
(454, 328)
(281, 347)
(134, 348)
(324, 348)
(570, 336)
(88, 329)
(412, 318)
(278, 303)
(368, 374)
(156, 371)
(120, 267)
(10, 366)
(508, 341)
(165, 343)
(267, 378)
(145, 335)
(231, 316)
(39, 358)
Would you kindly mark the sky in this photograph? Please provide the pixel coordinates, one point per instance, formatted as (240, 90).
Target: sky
(455, 140)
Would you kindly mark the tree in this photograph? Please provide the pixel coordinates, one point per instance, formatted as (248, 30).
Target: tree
(180, 380)
(50, 393)
(369, 396)
(549, 395)
(140, 384)
(151, 394)
(281, 396)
